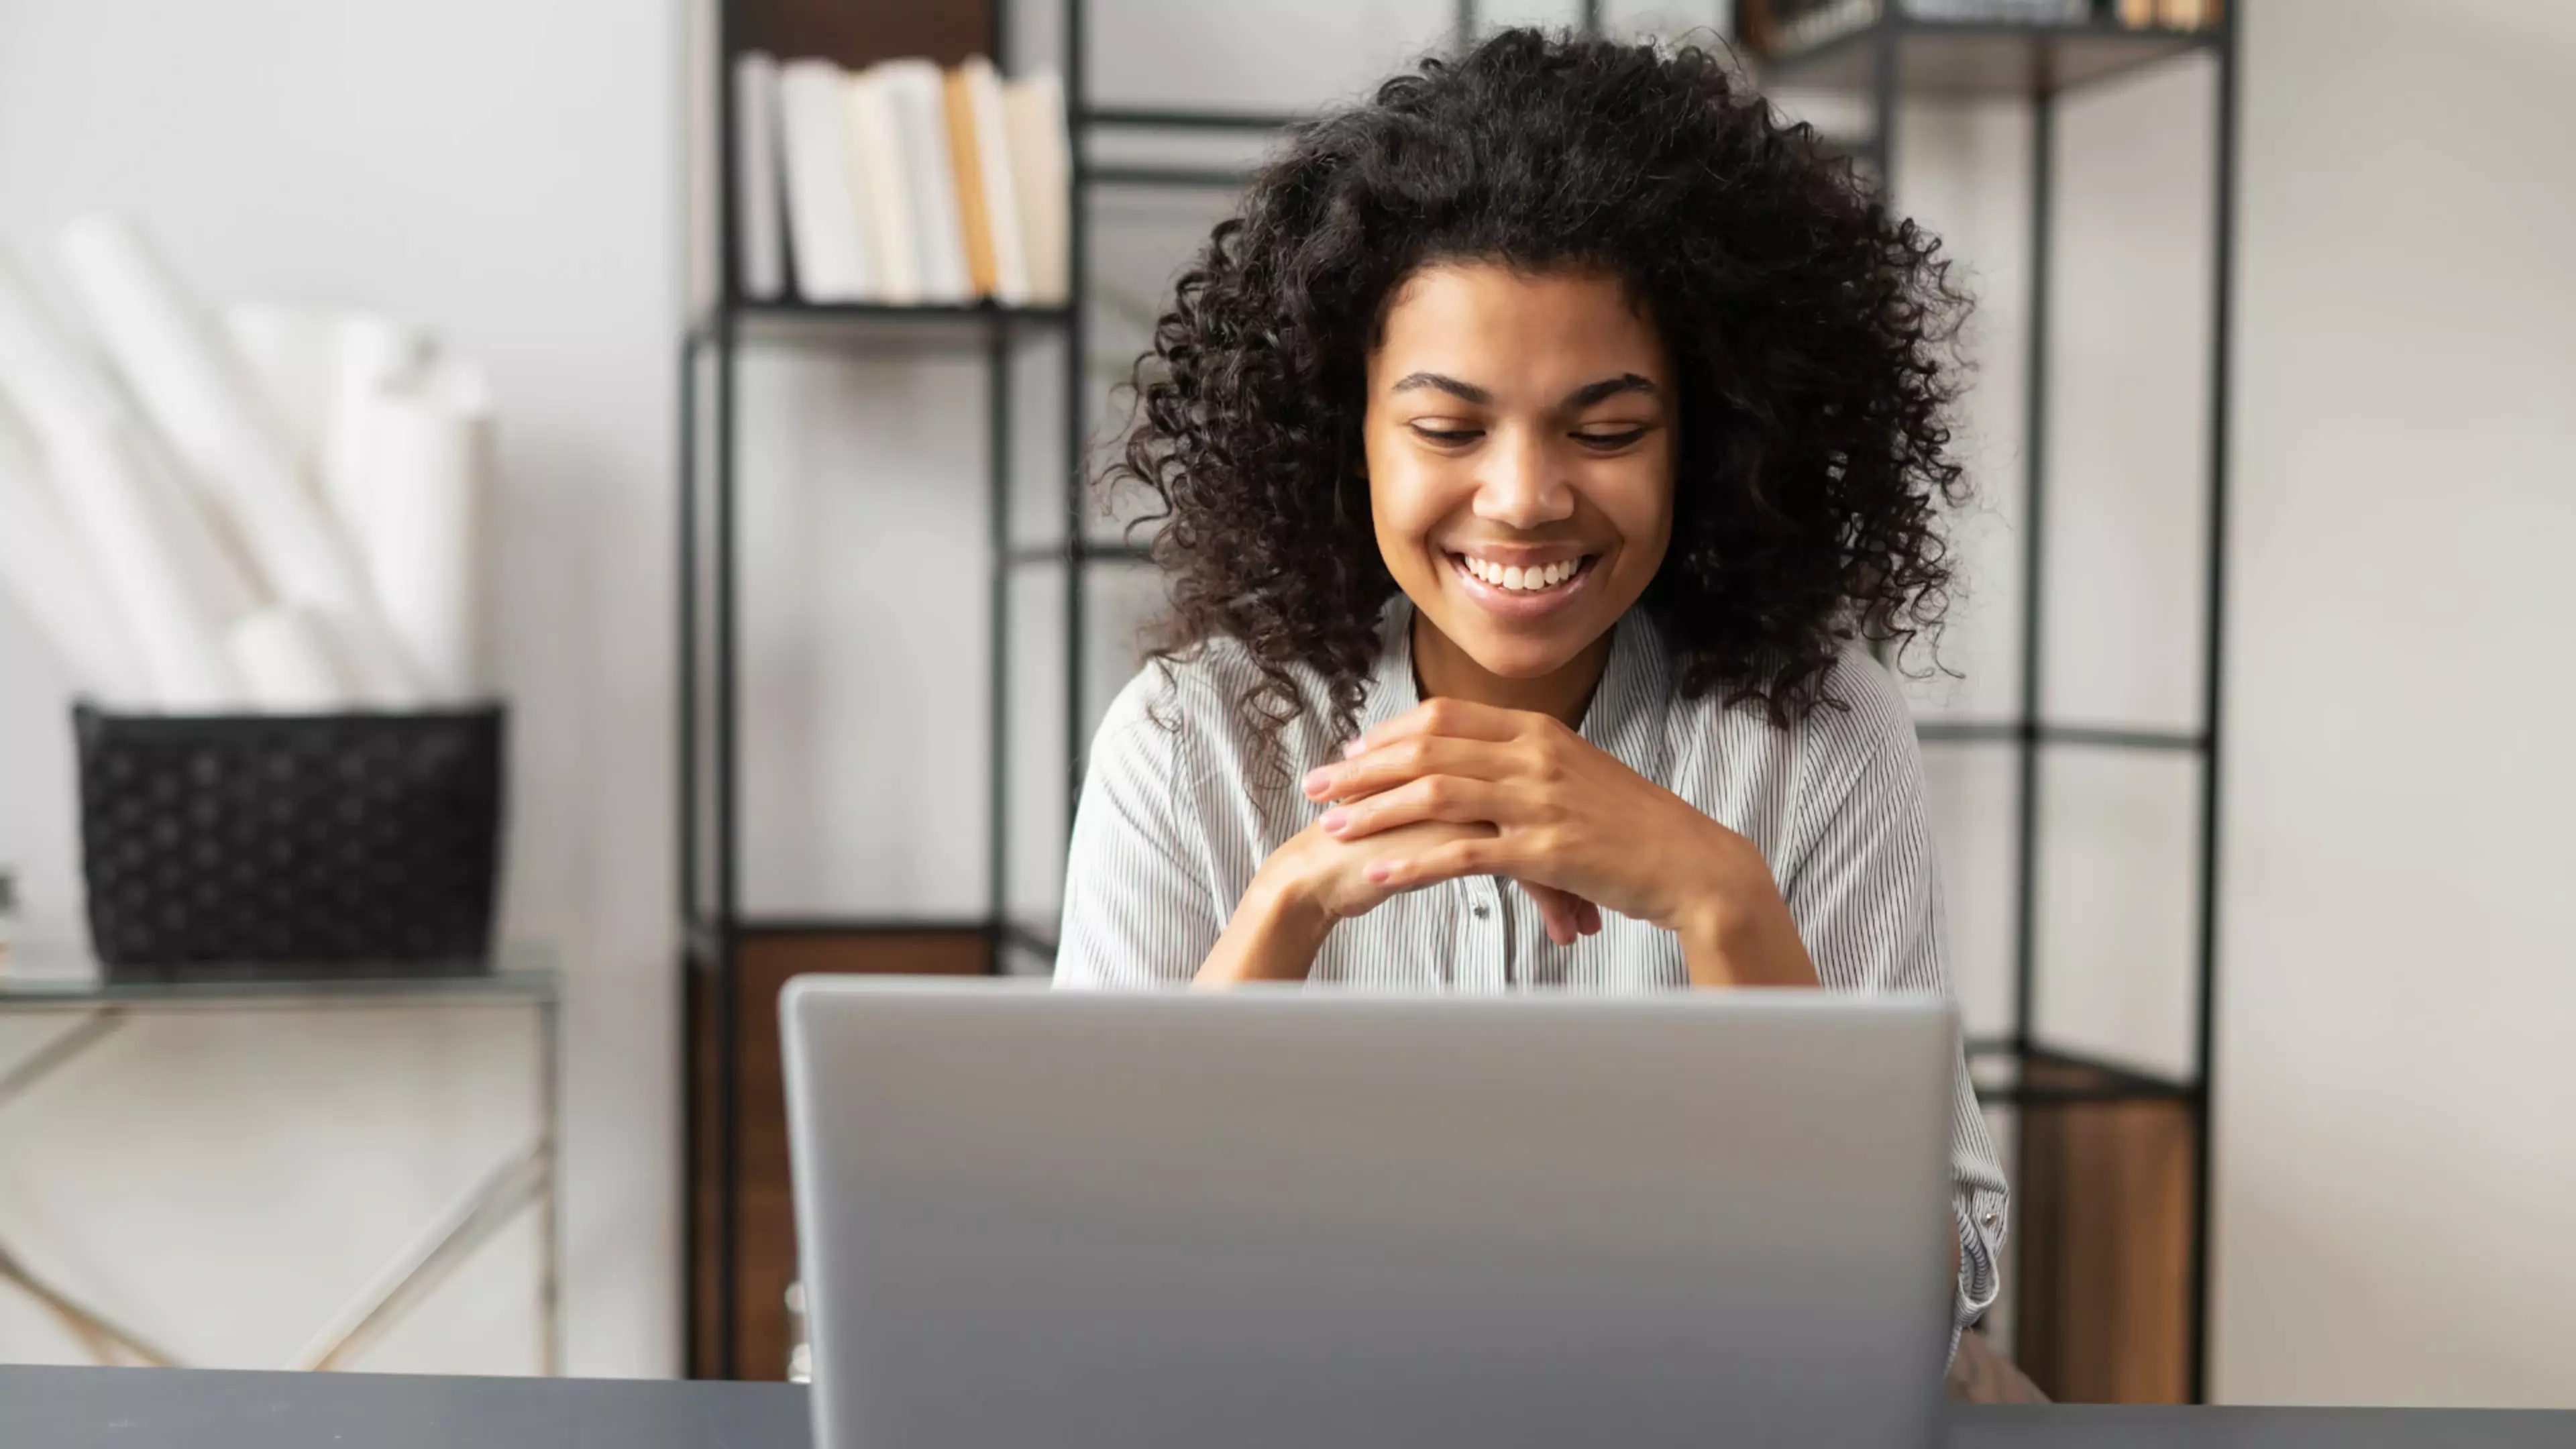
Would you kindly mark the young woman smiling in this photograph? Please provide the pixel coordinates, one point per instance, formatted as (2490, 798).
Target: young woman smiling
(1538, 448)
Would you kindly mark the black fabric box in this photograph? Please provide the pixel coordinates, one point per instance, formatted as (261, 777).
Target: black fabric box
(313, 845)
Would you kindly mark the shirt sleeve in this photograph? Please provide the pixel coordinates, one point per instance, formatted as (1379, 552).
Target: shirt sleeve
(1865, 891)
(1138, 909)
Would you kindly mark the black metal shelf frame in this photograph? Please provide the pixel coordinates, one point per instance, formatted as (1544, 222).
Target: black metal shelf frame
(713, 920)
(2042, 63)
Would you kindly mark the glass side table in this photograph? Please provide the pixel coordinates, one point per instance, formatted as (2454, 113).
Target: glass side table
(521, 978)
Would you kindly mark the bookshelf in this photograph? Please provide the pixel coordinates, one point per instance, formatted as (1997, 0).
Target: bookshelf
(2095, 1117)
(2109, 1268)
(739, 1232)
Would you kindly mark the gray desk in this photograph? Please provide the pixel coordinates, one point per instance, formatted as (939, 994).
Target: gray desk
(91, 1408)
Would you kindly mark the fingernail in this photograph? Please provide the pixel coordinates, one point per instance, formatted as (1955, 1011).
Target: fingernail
(1352, 747)
(1317, 779)
(1334, 820)
(1378, 871)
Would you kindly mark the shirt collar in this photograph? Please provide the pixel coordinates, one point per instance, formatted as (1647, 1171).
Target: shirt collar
(1624, 719)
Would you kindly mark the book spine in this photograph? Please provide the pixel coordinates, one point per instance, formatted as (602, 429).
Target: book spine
(760, 243)
(966, 169)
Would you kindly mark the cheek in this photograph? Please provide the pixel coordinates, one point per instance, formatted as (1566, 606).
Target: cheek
(1638, 501)
(1407, 500)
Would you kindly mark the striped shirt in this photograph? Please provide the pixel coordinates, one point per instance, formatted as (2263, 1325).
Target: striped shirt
(1172, 825)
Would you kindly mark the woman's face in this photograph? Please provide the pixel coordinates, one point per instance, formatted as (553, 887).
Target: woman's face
(1520, 444)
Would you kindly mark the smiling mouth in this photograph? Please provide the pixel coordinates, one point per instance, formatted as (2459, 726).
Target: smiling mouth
(1546, 578)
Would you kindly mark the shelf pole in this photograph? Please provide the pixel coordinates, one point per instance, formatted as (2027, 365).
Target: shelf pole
(2222, 305)
(686, 726)
(693, 1147)
(2043, 159)
(2043, 154)
(726, 644)
(1885, 59)
(1077, 339)
(997, 441)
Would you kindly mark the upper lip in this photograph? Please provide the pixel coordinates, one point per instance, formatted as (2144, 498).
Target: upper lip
(1512, 555)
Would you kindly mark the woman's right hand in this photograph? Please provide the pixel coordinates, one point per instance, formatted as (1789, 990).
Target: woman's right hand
(1315, 881)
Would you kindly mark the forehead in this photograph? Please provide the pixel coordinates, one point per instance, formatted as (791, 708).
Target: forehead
(1509, 331)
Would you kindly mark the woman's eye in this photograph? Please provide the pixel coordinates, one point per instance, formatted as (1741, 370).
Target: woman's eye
(1447, 435)
(1607, 442)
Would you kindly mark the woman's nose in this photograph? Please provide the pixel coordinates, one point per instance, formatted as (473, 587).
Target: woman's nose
(1522, 484)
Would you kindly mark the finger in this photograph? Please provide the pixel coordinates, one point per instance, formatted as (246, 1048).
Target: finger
(1456, 718)
(1561, 910)
(1433, 797)
(1484, 855)
(1391, 765)
(1591, 919)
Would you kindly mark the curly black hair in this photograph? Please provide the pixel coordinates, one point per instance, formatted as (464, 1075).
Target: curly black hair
(1811, 334)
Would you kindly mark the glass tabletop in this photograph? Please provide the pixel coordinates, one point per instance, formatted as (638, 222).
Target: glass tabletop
(41, 977)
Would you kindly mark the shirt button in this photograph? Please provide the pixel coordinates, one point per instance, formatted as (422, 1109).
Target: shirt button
(1483, 910)
(1993, 1218)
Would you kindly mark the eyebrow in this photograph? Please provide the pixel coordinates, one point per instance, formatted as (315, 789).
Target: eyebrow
(1575, 401)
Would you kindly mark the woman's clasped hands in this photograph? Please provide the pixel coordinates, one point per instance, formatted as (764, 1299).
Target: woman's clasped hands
(1453, 788)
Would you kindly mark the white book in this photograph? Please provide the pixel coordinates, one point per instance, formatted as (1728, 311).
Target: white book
(830, 256)
(1042, 176)
(760, 246)
(1001, 194)
(885, 197)
(921, 120)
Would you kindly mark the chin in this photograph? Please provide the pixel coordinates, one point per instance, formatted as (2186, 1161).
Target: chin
(1513, 655)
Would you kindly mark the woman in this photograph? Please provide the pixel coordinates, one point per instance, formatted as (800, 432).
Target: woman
(1538, 447)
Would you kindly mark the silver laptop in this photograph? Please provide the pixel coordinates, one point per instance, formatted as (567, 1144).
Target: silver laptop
(1273, 1217)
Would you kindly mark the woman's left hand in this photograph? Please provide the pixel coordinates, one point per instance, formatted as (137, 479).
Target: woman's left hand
(1567, 815)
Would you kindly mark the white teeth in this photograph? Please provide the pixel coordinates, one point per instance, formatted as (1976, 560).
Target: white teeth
(1527, 580)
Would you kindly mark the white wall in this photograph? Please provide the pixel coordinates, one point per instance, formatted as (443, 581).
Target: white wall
(2393, 1146)
(2397, 1097)
(505, 173)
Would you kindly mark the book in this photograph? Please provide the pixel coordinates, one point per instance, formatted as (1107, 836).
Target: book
(919, 98)
(829, 254)
(1800, 27)
(760, 253)
(885, 196)
(1042, 177)
(991, 131)
(966, 167)
(2026, 12)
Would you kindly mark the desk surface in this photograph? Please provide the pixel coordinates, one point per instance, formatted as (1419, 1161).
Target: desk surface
(85, 1408)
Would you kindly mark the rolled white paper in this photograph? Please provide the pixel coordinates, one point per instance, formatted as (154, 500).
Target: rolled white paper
(136, 522)
(427, 457)
(195, 387)
(176, 579)
(291, 352)
(285, 662)
(374, 353)
(46, 568)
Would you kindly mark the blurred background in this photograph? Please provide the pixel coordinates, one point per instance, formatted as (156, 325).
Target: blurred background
(2268, 692)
